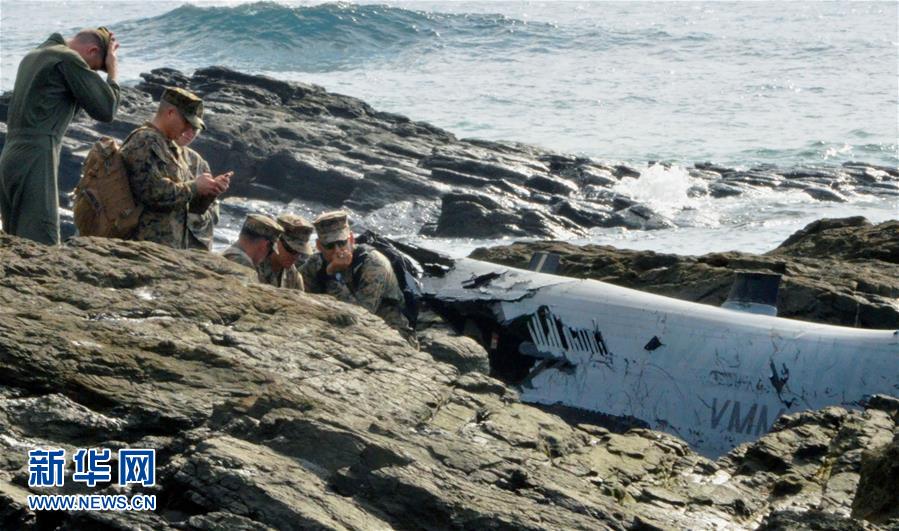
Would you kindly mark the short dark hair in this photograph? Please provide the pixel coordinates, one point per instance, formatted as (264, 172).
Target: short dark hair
(92, 36)
(252, 235)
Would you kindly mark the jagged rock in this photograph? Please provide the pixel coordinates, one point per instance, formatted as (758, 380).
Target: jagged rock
(810, 521)
(582, 214)
(296, 142)
(853, 238)
(272, 409)
(824, 194)
(639, 217)
(840, 271)
(877, 498)
(480, 216)
(463, 353)
(551, 185)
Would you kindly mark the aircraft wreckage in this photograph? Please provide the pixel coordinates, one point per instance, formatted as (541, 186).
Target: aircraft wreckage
(715, 377)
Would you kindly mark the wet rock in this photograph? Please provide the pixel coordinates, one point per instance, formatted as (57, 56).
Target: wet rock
(823, 194)
(297, 142)
(639, 217)
(841, 271)
(551, 185)
(582, 214)
(721, 189)
(480, 216)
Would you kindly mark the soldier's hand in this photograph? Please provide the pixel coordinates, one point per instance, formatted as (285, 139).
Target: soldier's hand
(112, 61)
(224, 180)
(207, 185)
(340, 262)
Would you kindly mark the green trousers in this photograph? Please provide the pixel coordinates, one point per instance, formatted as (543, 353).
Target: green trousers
(29, 193)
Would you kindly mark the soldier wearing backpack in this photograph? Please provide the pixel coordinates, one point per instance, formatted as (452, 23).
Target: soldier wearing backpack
(53, 81)
(163, 185)
(357, 274)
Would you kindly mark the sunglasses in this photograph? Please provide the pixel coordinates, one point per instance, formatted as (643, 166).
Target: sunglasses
(333, 245)
(287, 247)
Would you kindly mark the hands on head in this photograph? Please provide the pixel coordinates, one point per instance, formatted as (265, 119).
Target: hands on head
(111, 62)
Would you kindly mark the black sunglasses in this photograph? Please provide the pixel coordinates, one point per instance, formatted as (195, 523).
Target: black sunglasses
(287, 247)
(333, 245)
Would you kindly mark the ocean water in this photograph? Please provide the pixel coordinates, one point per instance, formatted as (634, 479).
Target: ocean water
(736, 83)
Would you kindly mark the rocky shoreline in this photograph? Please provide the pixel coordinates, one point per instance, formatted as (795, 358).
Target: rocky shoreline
(278, 410)
(298, 142)
(834, 271)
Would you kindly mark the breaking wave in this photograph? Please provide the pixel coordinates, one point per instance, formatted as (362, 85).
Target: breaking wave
(270, 36)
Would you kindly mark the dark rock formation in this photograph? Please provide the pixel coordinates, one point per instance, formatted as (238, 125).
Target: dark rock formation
(271, 409)
(298, 142)
(843, 271)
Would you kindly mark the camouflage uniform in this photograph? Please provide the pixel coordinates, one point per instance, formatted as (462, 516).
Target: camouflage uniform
(160, 178)
(236, 255)
(200, 227)
(289, 278)
(297, 232)
(370, 282)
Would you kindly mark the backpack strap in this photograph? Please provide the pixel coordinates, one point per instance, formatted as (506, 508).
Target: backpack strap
(360, 255)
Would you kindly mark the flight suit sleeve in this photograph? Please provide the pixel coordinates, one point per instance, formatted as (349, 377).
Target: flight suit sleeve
(144, 158)
(98, 97)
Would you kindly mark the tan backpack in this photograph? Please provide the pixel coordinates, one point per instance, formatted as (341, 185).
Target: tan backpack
(104, 205)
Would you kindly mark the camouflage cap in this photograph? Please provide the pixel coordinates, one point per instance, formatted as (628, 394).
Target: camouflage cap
(188, 104)
(297, 232)
(332, 227)
(262, 227)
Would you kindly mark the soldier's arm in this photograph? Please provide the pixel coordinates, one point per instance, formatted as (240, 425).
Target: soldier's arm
(372, 283)
(340, 291)
(309, 272)
(146, 174)
(200, 203)
(98, 97)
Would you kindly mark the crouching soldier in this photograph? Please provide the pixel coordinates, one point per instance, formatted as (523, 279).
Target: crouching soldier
(357, 274)
(256, 242)
(293, 248)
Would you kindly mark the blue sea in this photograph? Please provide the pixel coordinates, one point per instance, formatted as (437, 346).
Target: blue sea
(736, 83)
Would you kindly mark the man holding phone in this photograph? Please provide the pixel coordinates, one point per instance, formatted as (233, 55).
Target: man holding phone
(160, 178)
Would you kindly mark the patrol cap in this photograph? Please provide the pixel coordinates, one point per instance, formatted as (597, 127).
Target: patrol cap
(188, 104)
(105, 37)
(332, 227)
(262, 227)
(297, 232)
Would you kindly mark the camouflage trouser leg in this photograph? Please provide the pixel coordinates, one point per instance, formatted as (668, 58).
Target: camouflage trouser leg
(29, 201)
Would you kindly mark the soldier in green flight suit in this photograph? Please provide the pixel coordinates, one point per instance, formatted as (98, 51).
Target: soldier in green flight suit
(53, 81)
